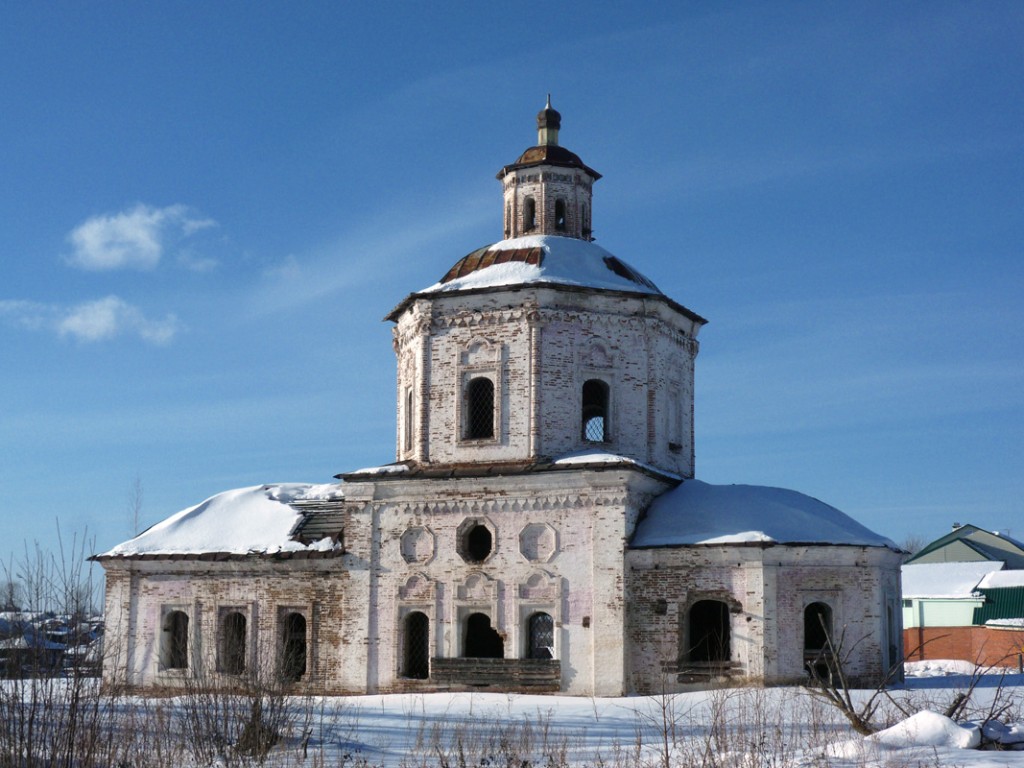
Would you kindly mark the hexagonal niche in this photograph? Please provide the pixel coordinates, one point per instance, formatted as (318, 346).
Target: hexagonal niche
(475, 539)
(538, 542)
(417, 544)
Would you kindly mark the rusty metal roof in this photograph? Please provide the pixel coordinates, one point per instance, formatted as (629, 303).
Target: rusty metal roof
(488, 255)
(549, 154)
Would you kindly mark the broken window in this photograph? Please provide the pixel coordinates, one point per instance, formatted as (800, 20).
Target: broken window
(174, 641)
(479, 413)
(595, 411)
(529, 214)
(560, 215)
(293, 647)
(416, 655)
(232, 644)
(481, 639)
(408, 419)
(542, 636)
(479, 543)
(708, 632)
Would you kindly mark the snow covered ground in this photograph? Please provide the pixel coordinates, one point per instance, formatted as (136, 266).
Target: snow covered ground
(741, 727)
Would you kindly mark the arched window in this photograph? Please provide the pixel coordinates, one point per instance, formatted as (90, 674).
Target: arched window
(585, 217)
(560, 215)
(508, 219)
(407, 441)
(174, 641)
(481, 640)
(231, 656)
(708, 632)
(817, 627)
(529, 214)
(595, 411)
(293, 647)
(416, 654)
(542, 636)
(479, 414)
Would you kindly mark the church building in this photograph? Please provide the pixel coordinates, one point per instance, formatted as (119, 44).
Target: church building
(541, 527)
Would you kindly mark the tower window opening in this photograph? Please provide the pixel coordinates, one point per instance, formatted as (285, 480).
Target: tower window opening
(529, 214)
(479, 409)
(407, 438)
(595, 411)
(508, 219)
(560, 215)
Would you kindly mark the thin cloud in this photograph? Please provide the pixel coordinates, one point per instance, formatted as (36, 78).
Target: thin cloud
(132, 239)
(91, 321)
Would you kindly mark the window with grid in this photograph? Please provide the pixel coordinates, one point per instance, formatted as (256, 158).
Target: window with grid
(595, 411)
(479, 414)
(542, 636)
(416, 663)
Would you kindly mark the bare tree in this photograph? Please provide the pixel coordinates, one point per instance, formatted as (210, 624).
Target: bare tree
(135, 497)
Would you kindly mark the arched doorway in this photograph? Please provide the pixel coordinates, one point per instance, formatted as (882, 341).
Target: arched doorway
(542, 636)
(708, 632)
(481, 639)
(416, 655)
(293, 647)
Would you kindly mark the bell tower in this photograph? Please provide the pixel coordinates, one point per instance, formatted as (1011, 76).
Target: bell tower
(548, 190)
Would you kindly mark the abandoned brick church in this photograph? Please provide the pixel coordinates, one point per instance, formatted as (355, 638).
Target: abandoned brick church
(540, 528)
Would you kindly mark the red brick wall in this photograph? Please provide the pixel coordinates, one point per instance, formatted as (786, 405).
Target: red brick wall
(982, 645)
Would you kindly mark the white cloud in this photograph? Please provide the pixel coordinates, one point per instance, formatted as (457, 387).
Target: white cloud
(135, 238)
(90, 321)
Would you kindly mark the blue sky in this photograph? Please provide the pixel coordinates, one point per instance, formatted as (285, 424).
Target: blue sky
(208, 208)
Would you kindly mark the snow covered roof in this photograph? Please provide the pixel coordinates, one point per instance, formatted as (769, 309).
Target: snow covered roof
(696, 512)
(595, 457)
(543, 259)
(950, 581)
(998, 579)
(245, 521)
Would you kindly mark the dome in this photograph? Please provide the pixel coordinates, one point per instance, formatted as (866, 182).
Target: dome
(549, 154)
(696, 512)
(543, 259)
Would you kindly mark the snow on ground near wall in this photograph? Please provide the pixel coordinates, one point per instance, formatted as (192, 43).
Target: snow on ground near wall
(945, 580)
(696, 512)
(566, 261)
(246, 520)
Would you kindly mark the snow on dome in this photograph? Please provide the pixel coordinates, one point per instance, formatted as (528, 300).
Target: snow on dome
(543, 259)
(696, 512)
(243, 521)
(945, 580)
(597, 456)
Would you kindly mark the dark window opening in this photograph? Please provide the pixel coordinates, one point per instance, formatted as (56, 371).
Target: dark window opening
(408, 419)
(480, 408)
(174, 642)
(232, 644)
(482, 641)
(595, 411)
(817, 626)
(293, 647)
(529, 214)
(416, 656)
(560, 215)
(708, 632)
(586, 222)
(508, 219)
(542, 636)
(478, 543)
